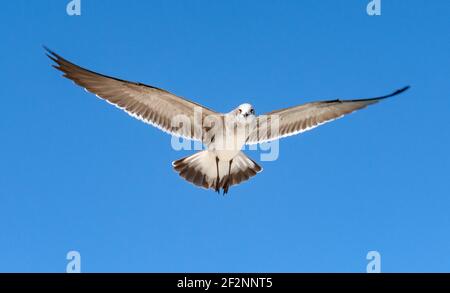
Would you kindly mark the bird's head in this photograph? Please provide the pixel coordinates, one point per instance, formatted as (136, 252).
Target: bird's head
(245, 112)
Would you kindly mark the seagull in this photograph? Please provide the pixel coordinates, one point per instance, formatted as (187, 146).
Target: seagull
(222, 164)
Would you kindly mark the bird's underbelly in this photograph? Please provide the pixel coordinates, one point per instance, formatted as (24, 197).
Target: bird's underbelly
(227, 147)
(226, 155)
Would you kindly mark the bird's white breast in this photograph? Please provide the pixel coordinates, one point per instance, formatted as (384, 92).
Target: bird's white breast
(230, 142)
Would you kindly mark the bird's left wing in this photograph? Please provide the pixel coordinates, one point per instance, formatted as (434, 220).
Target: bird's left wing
(147, 103)
(298, 119)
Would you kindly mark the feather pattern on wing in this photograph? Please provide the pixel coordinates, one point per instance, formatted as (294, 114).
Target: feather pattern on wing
(294, 120)
(150, 104)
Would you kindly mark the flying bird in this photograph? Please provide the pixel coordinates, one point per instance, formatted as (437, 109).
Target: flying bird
(222, 164)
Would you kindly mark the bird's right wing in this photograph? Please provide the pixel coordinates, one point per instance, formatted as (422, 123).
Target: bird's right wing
(147, 103)
(298, 119)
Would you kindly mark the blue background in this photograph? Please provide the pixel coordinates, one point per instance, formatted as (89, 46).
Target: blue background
(78, 174)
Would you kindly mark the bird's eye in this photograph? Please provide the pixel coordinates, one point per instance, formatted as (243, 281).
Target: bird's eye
(252, 111)
(240, 110)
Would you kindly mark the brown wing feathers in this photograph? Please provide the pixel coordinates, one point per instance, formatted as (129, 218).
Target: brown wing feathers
(147, 103)
(301, 118)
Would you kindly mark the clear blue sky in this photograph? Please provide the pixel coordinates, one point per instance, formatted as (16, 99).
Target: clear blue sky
(78, 174)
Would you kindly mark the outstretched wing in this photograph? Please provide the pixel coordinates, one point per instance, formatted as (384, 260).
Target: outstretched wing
(147, 103)
(298, 119)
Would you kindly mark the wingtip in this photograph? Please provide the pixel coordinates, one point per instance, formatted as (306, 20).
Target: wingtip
(49, 53)
(51, 57)
(399, 91)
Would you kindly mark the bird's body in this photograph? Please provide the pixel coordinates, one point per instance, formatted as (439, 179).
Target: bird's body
(222, 164)
(229, 144)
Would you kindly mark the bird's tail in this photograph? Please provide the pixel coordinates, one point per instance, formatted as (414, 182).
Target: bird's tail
(201, 169)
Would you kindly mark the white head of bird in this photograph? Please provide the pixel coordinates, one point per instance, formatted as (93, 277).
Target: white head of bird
(245, 113)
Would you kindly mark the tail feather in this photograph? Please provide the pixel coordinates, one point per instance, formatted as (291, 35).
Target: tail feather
(200, 169)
